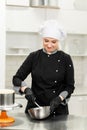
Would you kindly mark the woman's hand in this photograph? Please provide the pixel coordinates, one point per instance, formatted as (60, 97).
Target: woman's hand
(29, 95)
(23, 88)
(55, 103)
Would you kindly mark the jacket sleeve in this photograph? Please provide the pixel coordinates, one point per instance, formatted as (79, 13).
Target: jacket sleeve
(23, 71)
(69, 75)
(17, 88)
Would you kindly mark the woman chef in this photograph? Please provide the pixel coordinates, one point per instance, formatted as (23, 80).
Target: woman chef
(51, 70)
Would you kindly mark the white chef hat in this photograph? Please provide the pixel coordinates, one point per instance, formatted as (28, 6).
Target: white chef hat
(53, 29)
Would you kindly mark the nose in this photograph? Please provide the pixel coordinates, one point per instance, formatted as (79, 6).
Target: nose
(49, 44)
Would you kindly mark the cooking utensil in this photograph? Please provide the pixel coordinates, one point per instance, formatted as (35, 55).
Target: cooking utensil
(7, 100)
(44, 3)
(37, 104)
(40, 112)
(7, 97)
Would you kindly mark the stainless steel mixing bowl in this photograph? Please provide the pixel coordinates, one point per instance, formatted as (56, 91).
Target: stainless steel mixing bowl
(39, 112)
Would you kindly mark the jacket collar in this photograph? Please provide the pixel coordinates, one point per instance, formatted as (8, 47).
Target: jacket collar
(51, 52)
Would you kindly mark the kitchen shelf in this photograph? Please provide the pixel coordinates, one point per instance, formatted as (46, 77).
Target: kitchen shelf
(28, 54)
(76, 45)
(21, 43)
(16, 54)
(18, 3)
(48, 7)
(18, 51)
(21, 31)
(78, 55)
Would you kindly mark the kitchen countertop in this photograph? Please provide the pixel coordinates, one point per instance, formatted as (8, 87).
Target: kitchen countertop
(77, 120)
(23, 121)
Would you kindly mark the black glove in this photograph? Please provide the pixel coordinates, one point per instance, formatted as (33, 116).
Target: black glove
(54, 104)
(29, 95)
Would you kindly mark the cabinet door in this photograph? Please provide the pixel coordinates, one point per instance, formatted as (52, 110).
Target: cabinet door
(76, 44)
(17, 2)
(24, 20)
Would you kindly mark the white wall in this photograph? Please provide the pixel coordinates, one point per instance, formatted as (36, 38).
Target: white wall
(22, 24)
(24, 19)
(2, 44)
(29, 19)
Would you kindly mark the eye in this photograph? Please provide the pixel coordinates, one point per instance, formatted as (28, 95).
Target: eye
(54, 42)
(46, 40)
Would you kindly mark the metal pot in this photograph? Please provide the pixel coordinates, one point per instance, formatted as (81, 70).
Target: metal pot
(39, 112)
(7, 97)
(44, 3)
(7, 100)
(37, 2)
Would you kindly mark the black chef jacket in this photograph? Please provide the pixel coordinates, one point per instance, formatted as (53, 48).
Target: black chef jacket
(51, 74)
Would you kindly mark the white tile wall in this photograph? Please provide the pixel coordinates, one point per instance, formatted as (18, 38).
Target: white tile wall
(12, 65)
(78, 105)
(76, 44)
(18, 41)
(80, 66)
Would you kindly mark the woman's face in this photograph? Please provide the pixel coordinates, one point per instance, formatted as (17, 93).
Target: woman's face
(50, 44)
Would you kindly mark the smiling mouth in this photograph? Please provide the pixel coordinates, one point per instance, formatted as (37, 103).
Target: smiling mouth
(49, 48)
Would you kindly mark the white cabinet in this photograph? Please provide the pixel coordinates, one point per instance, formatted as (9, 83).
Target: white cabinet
(76, 45)
(2, 43)
(22, 43)
(24, 19)
(74, 21)
(17, 2)
(22, 25)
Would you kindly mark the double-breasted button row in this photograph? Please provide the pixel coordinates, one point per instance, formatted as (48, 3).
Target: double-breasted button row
(53, 91)
(57, 70)
(58, 60)
(69, 65)
(55, 81)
